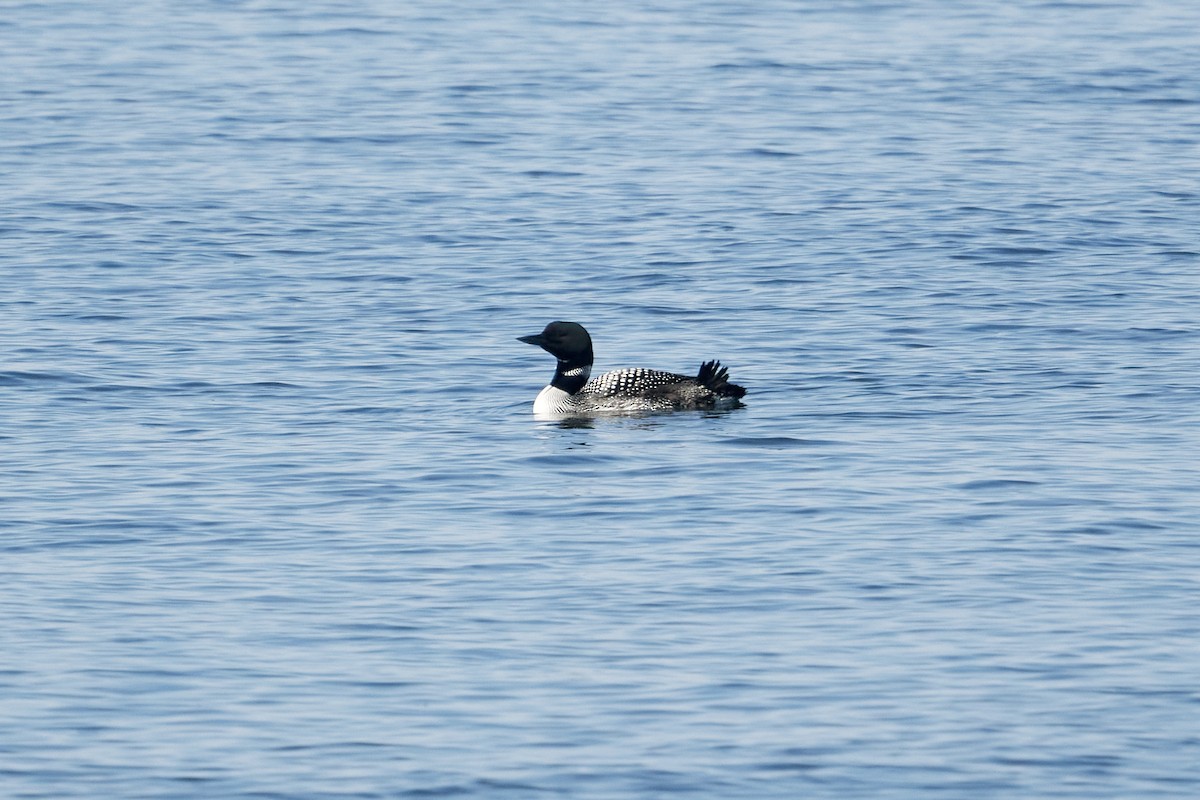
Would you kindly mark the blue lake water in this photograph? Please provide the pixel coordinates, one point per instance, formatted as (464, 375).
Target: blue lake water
(276, 519)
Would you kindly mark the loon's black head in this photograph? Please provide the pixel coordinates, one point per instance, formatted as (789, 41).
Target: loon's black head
(566, 341)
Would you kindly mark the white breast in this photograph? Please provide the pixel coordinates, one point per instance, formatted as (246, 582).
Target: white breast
(550, 400)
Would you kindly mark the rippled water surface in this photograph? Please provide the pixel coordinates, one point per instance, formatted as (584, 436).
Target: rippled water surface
(276, 519)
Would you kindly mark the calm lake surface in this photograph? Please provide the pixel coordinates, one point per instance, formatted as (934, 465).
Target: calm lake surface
(276, 520)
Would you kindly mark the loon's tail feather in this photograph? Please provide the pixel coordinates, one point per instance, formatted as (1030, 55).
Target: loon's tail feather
(714, 377)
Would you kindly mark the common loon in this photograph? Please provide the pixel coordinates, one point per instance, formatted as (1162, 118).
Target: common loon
(570, 391)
